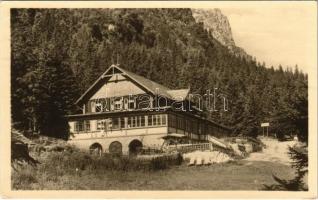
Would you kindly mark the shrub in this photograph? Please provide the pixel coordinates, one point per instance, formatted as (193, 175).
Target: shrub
(70, 161)
(159, 163)
(165, 161)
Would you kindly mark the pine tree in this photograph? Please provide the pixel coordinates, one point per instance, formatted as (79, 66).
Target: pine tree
(299, 155)
(77, 45)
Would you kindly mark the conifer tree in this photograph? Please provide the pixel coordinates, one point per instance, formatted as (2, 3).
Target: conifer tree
(59, 50)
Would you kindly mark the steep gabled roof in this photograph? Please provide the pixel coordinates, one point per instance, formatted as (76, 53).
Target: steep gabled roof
(181, 94)
(149, 85)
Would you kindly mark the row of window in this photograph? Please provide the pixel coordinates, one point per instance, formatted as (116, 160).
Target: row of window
(82, 126)
(192, 125)
(122, 122)
(111, 104)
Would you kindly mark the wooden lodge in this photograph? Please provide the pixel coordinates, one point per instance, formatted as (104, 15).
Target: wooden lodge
(123, 111)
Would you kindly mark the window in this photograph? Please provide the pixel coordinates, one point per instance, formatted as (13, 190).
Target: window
(109, 124)
(87, 125)
(133, 122)
(158, 119)
(154, 120)
(122, 122)
(82, 126)
(137, 120)
(126, 104)
(112, 104)
(149, 120)
(118, 104)
(100, 125)
(142, 121)
(98, 107)
(131, 103)
(105, 104)
(129, 123)
(79, 126)
(115, 123)
(163, 119)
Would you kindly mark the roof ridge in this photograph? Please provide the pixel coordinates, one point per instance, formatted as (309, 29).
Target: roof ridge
(179, 89)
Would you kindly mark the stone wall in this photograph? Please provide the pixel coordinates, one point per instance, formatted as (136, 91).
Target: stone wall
(150, 140)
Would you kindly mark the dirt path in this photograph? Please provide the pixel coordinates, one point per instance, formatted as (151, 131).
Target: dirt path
(275, 151)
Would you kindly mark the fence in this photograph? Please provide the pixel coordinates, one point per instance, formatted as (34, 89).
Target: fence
(183, 148)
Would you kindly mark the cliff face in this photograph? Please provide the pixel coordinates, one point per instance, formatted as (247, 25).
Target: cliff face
(219, 26)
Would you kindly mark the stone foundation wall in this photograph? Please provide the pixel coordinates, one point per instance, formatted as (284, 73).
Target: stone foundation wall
(150, 140)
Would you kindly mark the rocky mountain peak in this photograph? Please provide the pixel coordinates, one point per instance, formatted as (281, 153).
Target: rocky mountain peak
(219, 26)
(217, 23)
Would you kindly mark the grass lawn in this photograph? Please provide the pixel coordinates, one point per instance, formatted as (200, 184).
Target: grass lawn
(238, 175)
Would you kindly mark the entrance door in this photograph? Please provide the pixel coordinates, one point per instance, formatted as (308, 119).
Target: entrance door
(116, 148)
(134, 147)
(96, 149)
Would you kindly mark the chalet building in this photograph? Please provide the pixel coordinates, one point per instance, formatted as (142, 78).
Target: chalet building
(123, 111)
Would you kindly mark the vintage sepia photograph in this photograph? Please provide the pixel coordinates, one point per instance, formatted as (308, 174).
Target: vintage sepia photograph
(164, 98)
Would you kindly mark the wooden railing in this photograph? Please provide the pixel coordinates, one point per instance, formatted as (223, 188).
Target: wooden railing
(183, 148)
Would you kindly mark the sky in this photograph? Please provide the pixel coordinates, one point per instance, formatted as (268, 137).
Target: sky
(277, 33)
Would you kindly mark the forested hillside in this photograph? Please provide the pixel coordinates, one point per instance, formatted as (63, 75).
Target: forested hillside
(58, 53)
